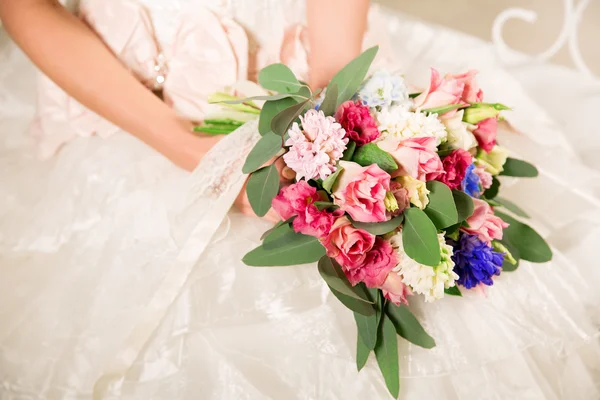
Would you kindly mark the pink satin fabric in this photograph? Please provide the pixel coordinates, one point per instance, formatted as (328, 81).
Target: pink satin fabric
(210, 53)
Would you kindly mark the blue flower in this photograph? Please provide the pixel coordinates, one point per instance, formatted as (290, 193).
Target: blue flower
(475, 262)
(470, 184)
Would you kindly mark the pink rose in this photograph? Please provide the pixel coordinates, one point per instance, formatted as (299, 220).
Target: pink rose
(358, 122)
(402, 196)
(378, 263)
(347, 244)
(455, 165)
(484, 223)
(416, 156)
(360, 191)
(471, 92)
(314, 222)
(395, 290)
(441, 92)
(485, 133)
(485, 178)
(293, 199)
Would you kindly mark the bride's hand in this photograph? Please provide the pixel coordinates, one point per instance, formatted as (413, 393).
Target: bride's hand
(286, 177)
(187, 149)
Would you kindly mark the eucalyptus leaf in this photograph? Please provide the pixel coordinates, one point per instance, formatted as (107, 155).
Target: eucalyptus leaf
(380, 228)
(367, 328)
(371, 154)
(386, 353)
(492, 192)
(264, 150)
(270, 110)
(277, 230)
(282, 121)
(408, 326)
(328, 106)
(512, 207)
(280, 78)
(322, 205)
(453, 291)
(519, 168)
(464, 205)
(441, 208)
(362, 353)
(349, 78)
(329, 182)
(301, 250)
(332, 274)
(354, 305)
(349, 152)
(419, 237)
(528, 243)
(262, 187)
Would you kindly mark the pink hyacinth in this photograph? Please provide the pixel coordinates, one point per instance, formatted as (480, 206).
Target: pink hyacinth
(315, 149)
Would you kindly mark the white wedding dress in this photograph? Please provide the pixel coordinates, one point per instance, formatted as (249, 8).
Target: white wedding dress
(120, 275)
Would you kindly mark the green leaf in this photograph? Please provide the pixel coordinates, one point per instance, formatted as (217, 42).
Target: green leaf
(266, 148)
(227, 121)
(408, 326)
(302, 249)
(413, 95)
(279, 78)
(372, 154)
(386, 353)
(270, 110)
(507, 266)
(215, 129)
(519, 168)
(453, 291)
(464, 205)
(282, 121)
(328, 106)
(349, 78)
(441, 209)
(349, 152)
(332, 273)
(528, 243)
(330, 180)
(492, 192)
(277, 230)
(367, 327)
(354, 305)
(262, 187)
(380, 228)
(443, 109)
(419, 237)
(510, 206)
(362, 353)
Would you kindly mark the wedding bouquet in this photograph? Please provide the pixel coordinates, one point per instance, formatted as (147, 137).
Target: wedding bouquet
(395, 195)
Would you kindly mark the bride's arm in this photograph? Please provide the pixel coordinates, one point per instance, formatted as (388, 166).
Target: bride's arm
(66, 50)
(335, 29)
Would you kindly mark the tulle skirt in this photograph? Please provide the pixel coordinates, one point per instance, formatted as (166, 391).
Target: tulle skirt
(116, 283)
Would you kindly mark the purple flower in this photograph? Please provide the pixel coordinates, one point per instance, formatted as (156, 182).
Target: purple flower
(475, 262)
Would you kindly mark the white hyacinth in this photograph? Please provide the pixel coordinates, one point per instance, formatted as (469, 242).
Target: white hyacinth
(423, 279)
(400, 123)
